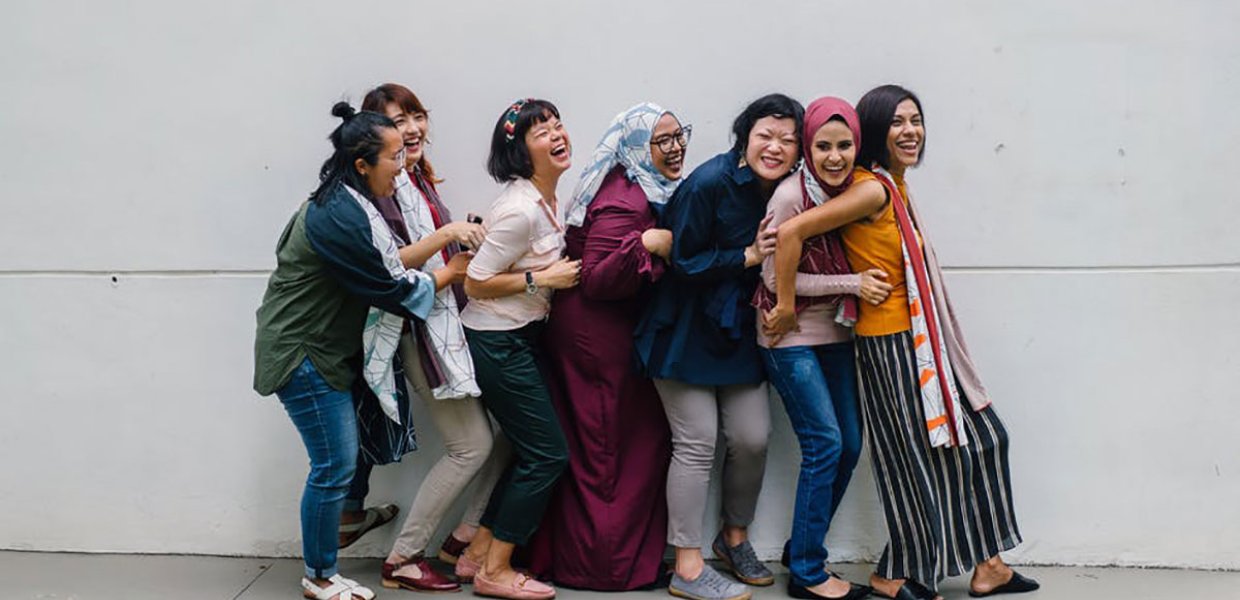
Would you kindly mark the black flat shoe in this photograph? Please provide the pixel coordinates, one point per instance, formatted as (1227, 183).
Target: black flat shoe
(1018, 584)
(855, 592)
(910, 590)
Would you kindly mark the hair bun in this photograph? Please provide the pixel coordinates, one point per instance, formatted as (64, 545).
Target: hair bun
(343, 110)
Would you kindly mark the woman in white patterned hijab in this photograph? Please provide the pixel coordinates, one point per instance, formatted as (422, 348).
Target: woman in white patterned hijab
(655, 165)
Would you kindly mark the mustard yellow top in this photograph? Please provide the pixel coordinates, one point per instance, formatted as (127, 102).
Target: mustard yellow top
(874, 243)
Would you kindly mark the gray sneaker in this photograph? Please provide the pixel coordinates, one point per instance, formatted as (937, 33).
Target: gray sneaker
(710, 585)
(743, 562)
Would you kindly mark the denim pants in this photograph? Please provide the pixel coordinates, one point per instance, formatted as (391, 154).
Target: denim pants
(326, 420)
(818, 385)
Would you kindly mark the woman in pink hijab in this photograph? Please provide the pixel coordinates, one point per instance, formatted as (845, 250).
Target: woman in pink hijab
(813, 366)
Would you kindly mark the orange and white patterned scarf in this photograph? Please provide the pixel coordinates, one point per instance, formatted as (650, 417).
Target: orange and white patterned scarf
(940, 399)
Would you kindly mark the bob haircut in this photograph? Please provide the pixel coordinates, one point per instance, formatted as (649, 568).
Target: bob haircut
(359, 135)
(376, 100)
(770, 105)
(510, 158)
(876, 109)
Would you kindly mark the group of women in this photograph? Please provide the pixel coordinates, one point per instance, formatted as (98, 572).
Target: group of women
(613, 341)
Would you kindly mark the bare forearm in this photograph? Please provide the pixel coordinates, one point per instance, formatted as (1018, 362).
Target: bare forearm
(416, 254)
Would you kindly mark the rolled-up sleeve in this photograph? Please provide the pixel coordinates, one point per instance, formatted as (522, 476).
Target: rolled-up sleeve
(507, 240)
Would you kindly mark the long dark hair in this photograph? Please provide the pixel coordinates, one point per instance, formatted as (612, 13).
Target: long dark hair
(875, 110)
(376, 100)
(359, 135)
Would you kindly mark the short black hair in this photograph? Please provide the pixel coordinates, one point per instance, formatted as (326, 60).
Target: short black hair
(779, 106)
(359, 135)
(875, 111)
(509, 158)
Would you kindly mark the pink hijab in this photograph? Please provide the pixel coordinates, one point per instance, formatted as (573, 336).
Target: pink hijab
(816, 115)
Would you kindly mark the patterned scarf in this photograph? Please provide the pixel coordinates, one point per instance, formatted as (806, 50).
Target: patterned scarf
(940, 399)
(381, 334)
(626, 142)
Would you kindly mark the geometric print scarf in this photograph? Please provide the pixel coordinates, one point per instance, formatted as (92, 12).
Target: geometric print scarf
(442, 327)
(940, 398)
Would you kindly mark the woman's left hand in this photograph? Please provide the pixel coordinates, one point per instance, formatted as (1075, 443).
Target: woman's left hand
(778, 322)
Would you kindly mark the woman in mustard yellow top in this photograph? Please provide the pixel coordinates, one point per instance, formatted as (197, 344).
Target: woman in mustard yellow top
(943, 479)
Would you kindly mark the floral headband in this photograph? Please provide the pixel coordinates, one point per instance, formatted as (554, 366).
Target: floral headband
(510, 118)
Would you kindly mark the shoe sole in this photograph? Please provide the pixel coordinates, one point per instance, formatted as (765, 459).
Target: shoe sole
(392, 584)
(679, 594)
(760, 581)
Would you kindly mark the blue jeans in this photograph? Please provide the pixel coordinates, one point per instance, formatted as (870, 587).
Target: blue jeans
(818, 385)
(326, 420)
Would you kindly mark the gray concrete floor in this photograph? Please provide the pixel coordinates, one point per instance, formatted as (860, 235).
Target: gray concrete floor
(48, 576)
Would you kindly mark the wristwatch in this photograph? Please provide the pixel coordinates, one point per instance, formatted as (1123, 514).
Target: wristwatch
(530, 288)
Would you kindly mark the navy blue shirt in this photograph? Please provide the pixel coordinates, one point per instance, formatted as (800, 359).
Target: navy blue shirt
(699, 327)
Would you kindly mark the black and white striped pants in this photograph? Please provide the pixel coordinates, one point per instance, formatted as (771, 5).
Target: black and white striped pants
(947, 509)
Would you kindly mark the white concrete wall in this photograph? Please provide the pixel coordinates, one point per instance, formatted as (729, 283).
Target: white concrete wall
(1076, 183)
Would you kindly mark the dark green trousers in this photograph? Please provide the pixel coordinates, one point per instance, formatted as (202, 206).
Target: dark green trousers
(516, 394)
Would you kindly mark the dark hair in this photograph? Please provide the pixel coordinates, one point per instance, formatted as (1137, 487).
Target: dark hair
(509, 158)
(770, 105)
(376, 100)
(876, 109)
(360, 135)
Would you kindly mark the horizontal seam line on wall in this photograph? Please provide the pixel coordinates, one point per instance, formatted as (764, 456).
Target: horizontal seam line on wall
(949, 269)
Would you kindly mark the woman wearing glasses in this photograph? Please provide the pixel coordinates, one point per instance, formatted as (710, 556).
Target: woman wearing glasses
(697, 339)
(606, 525)
(336, 258)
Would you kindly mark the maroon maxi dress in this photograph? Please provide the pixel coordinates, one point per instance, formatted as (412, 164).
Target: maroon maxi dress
(606, 526)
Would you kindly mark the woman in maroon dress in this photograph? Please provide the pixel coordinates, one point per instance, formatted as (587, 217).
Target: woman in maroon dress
(607, 524)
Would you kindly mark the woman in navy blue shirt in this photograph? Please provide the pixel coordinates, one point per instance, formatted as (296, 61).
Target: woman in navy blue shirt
(697, 340)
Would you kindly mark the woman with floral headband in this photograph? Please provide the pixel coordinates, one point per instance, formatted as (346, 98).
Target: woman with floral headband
(509, 283)
(607, 524)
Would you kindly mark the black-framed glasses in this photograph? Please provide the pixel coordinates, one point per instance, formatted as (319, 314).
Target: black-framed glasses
(666, 142)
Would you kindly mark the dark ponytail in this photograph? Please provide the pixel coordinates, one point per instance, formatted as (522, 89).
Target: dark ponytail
(359, 135)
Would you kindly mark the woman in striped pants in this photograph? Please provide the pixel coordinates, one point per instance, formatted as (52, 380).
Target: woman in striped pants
(939, 450)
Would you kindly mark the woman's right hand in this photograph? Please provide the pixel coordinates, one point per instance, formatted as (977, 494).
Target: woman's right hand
(452, 272)
(874, 286)
(562, 274)
(763, 243)
(464, 232)
(658, 242)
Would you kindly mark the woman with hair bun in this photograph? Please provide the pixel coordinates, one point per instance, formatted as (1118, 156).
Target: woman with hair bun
(336, 258)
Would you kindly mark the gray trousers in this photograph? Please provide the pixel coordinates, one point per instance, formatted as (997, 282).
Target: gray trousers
(472, 451)
(697, 414)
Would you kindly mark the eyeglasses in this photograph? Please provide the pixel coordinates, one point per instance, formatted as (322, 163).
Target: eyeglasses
(681, 136)
(401, 156)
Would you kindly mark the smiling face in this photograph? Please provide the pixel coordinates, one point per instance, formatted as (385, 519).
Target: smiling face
(833, 152)
(550, 150)
(905, 136)
(412, 128)
(381, 176)
(772, 148)
(667, 132)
